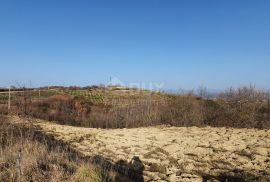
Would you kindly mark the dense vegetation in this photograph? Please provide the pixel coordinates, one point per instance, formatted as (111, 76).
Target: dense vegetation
(116, 108)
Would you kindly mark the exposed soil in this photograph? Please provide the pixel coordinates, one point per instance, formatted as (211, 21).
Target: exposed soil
(173, 153)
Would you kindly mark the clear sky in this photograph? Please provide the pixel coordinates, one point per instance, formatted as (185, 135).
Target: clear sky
(181, 43)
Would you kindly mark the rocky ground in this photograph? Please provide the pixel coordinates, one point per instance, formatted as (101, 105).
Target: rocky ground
(174, 153)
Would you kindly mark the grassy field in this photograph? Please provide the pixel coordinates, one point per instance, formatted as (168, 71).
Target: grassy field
(95, 97)
(30, 155)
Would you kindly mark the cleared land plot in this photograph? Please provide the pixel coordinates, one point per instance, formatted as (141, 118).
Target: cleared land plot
(175, 153)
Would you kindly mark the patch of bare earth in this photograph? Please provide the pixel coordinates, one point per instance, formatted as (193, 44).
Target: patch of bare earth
(175, 153)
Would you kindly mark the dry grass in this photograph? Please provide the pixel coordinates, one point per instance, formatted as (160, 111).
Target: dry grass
(27, 157)
(160, 152)
(192, 150)
(243, 108)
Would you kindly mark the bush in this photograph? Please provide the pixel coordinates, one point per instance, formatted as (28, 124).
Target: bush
(62, 108)
(243, 107)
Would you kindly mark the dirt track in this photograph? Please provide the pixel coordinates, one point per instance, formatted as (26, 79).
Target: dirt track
(175, 153)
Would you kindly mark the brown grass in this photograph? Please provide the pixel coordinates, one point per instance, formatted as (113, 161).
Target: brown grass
(245, 107)
(27, 157)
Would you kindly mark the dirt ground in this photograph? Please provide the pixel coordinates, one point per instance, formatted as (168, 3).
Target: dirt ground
(174, 153)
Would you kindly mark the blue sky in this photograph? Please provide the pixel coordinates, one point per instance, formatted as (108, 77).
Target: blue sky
(181, 43)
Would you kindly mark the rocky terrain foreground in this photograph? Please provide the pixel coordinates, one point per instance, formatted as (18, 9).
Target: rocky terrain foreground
(174, 153)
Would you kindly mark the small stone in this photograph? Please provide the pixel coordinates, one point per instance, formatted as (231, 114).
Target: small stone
(260, 151)
(178, 173)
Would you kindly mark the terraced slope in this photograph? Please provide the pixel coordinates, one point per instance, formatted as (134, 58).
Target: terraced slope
(174, 153)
